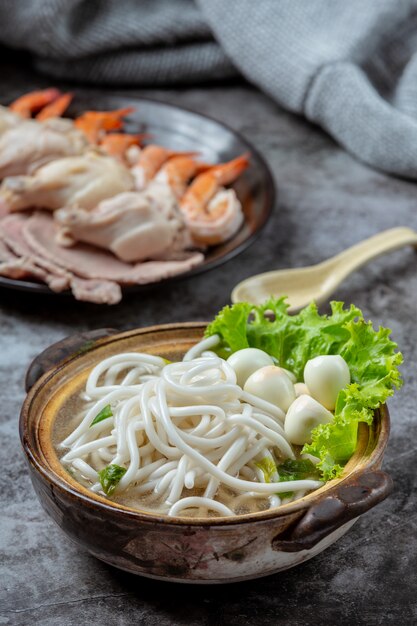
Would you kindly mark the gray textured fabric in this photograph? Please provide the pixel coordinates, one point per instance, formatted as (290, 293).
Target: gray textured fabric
(349, 66)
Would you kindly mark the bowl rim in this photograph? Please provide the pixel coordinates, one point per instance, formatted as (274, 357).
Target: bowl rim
(72, 489)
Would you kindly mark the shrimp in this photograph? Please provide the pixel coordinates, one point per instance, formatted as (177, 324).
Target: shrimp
(34, 101)
(214, 214)
(150, 161)
(94, 124)
(116, 144)
(177, 171)
(55, 108)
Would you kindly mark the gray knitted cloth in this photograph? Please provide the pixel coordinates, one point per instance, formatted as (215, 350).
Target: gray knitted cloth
(348, 65)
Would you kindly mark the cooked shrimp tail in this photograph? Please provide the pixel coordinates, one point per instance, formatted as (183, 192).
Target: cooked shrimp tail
(116, 144)
(178, 170)
(94, 124)
(227, 173)
(56, 108)
(34, 101)
(150, 161)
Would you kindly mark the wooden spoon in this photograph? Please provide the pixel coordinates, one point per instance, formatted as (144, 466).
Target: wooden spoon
(318, 282)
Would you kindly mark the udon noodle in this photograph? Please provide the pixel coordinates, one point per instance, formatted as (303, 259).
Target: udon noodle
(186, 435)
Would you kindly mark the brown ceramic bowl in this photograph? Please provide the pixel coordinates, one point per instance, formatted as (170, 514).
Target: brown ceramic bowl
(214, 550)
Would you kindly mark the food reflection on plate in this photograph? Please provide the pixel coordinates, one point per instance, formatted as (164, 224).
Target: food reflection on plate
(88, 208)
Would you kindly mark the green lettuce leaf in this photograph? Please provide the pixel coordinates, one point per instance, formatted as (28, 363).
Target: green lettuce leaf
(291, 339)
(294, 339)
(230, 325)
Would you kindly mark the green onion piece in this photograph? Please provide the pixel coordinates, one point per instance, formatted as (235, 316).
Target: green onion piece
(110, 477)
(103, 415)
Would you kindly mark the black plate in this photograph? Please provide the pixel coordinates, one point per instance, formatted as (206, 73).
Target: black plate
(181, 129)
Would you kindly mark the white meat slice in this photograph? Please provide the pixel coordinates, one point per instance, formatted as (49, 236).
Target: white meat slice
(8, 119)
(27, 146)
(72, 181)
(135, 226)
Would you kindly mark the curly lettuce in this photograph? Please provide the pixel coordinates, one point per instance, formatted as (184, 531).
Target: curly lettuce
(292, 340)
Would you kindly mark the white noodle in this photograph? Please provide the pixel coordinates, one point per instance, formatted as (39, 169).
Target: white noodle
(179, 427)
(201, 347)
(196, 502)
(85, 469)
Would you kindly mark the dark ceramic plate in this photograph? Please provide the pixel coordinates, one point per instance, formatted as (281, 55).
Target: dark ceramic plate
(181, 129)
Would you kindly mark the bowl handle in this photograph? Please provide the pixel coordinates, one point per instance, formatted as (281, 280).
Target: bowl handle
(356, 495)
(62, 351)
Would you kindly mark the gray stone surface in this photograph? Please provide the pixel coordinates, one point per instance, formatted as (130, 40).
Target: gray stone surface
(327, 201)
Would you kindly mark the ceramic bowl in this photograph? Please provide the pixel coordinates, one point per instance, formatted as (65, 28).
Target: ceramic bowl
(210, 550)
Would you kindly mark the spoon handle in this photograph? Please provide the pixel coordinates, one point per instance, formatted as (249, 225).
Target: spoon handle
(351, 259)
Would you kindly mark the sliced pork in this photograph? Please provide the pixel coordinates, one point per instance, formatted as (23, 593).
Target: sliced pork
(4, 209)
(19, 268)
(22, 269)
(5, 253)
(28, 264)
(11, 233)
(81, 181)
(13, 265)
(40, 232)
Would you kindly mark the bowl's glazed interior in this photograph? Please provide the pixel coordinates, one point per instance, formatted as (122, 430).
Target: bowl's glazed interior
(171, 341)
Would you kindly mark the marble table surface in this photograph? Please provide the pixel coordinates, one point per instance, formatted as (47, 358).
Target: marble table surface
(327, 201)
